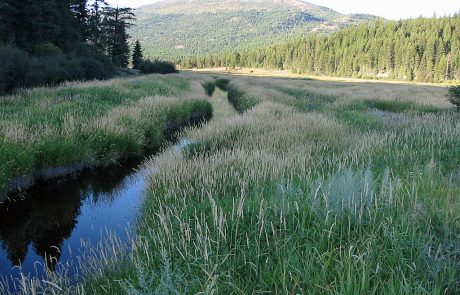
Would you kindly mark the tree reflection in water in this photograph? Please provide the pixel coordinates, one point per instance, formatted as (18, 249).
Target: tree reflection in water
(45, 216)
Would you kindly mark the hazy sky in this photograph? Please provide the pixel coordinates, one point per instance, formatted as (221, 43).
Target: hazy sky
(391, 9)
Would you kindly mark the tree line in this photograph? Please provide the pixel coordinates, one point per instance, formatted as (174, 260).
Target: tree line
(423, 49)
(51, 41)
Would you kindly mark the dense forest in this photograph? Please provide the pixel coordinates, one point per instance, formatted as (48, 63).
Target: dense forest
(172, 28)
(51, 41)
(426, 50)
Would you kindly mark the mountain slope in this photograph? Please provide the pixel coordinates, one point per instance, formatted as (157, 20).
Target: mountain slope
(183, 27)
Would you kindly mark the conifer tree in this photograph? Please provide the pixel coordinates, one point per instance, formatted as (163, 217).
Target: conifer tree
(95, 35)
(137, 55)
(81, 14)
(426, 50)
(60, 40)
(453, 95)
(116, 21)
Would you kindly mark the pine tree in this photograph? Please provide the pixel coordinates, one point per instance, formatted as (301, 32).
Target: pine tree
(61, 40)
(81, 14)
(420, 49)
(116, 21)
(453, 95)
(137, 55)
(28, 23)
(95, 36)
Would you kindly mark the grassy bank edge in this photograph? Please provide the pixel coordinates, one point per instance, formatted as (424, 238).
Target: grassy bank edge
(174, 118)
(237, 97)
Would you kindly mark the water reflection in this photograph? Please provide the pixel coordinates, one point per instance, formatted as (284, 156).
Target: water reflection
(49, 223)
(45, 222)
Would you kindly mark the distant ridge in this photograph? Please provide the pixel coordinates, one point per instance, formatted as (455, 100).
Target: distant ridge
(170, 28)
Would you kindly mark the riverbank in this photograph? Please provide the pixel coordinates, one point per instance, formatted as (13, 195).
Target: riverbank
(48, 133)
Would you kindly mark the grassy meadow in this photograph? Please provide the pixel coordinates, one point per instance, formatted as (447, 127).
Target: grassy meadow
(48, 132)
(303, 187)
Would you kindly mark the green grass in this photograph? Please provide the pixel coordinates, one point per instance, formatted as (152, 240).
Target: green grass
(209, 87)
(238, 98)
(354, 197)
(393, 106)
(218, 82)
(359, 120)
(307, 101)
(97, 123)
(222, 83)
(277, 201)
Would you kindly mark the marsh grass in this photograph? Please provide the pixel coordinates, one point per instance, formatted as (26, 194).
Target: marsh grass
(286, 200)
(332, 200)
(239, 98)
(308, 101)
(222, 83)
(94, 123)
(209, 87)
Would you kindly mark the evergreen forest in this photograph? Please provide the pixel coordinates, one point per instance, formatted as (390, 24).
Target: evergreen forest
(45, 42)
(423, 49)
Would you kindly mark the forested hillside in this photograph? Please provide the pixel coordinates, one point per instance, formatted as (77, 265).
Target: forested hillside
(51, 41)
(426, 50)
(170, 28)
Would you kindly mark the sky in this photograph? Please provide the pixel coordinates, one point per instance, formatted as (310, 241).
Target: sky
(390, 9)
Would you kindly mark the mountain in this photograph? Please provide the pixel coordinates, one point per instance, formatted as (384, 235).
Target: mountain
(170, 28)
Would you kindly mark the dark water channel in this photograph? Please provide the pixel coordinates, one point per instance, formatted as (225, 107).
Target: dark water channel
(53, 223)
(49, 224)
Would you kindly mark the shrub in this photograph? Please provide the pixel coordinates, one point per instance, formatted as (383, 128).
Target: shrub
(157, 67)
(49, 66)
(48, 70)
(453, 95)
(13, 68)
(47, 49)
(51, 70)
(96, 67)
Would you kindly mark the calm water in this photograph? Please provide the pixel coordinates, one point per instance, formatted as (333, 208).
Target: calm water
(49, 223)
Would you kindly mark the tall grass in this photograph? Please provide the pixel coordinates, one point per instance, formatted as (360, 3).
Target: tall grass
(209, 87)
(86, 124)
(289, 200)
(281, 201)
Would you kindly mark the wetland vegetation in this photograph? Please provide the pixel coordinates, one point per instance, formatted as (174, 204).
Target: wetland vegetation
(319, 188)
(212, 183)
(51, 132)
(311, 187)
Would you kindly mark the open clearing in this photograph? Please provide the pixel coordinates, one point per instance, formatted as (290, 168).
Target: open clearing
(308, 187)
(258, 72)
